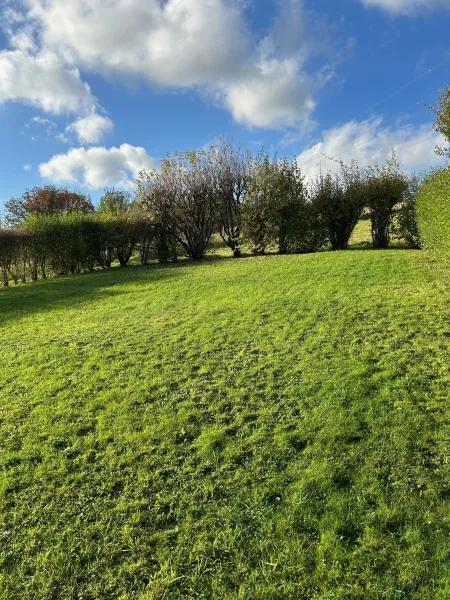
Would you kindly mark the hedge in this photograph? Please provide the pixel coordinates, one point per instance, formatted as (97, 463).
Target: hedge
(62, 245)
(433, 213)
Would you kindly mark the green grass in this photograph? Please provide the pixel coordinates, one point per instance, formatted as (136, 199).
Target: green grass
(264, 428)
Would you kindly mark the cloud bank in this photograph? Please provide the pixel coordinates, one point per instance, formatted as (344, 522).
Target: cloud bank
(179, 44)
(368, 142)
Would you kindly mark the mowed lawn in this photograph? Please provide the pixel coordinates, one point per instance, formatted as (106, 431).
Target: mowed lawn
(263, 428)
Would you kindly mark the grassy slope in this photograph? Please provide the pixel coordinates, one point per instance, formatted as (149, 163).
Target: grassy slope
(265, 428)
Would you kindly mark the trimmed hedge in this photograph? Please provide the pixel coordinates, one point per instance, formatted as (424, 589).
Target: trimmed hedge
(68, 244)
(433, 213)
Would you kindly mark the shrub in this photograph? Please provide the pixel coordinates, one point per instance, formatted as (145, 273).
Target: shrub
(406, 226)
(67, 244)
(433, 212)
(259, 219)
(232, 168)
(442, 119)
(340, 201)
(13, 255)
(181, 199)
(384, 189)
(297, 222)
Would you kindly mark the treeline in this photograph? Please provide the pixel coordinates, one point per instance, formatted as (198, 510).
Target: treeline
(264, 202)
(252, 200)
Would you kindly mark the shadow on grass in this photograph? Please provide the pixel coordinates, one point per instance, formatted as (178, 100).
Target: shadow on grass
(71, 291)
(368, 246)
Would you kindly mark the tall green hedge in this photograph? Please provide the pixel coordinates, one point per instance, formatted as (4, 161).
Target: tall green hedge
(433, 213)
(67, 244)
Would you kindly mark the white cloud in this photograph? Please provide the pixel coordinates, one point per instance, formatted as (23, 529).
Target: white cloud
(42, 81)
(177, 42)
(201, 44)
(277, 95)
(368, 142)
(27, 167)
(91, 129)
(407, 6)
(98, 167)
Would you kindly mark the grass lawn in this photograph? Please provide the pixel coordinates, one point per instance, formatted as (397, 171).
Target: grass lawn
(247, 429)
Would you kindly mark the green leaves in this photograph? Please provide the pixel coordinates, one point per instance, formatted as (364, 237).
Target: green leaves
(433, 213)
(442, 123)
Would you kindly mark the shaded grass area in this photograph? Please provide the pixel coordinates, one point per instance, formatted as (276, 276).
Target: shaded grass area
(272, 427)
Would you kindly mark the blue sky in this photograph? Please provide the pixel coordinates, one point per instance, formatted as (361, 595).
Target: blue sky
(91, 92)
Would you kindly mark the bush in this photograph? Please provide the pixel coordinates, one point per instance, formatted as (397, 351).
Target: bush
(259, 218)
(232, 168)
(63, 245)
(277, 211)
(182, 199)
(385, 189)
(298, 221)
(433, 212)
(68, 244)
(406, 226)
(14, 245)
(340, 202)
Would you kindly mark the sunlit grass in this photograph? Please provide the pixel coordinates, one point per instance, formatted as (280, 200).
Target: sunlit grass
(272, 427)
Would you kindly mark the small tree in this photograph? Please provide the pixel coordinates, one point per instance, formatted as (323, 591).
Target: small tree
(13, 255)
(15, 212)
(406, 225)
(385, 188)
(232, 170)
(181, 200)
(119, 234)
(46, 201)
(290, 207)
(262, 205)
(340, 202)
(442, 119)
(114, 202)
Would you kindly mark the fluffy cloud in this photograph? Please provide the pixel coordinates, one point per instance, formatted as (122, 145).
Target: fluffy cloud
(407, 6)
(42, 81)
(98, 167)
(178, 42)
(204, 44)
(277, 95)
(369, 142)
(91, 129)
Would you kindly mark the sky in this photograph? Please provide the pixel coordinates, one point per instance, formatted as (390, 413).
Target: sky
(93, 91)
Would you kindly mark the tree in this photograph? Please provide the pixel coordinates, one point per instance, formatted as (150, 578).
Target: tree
(114, 202)
(442, 119)
(46, 201)
(406, 223)
(385, 188)
(261, 204)
(340, 202)
(181, 200)
(13, 255)
(289, 205)
(119, 227)
(232, 170)
(15, 212)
